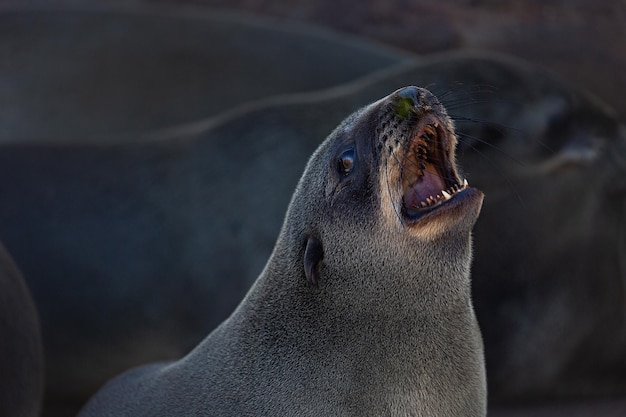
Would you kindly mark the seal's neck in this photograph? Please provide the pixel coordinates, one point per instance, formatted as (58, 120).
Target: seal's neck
(381, 319)
(358, 353)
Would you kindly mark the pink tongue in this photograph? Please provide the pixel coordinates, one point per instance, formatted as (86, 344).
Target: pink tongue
(430, 184)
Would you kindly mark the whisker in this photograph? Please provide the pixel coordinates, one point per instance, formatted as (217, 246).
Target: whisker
(461, 136)
(502, 129)
(455, 98)
(506, 177)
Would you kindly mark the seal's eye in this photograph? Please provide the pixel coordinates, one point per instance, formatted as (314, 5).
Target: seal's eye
(346, 161)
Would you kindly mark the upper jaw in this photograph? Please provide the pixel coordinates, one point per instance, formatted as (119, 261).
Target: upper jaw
(429, 177)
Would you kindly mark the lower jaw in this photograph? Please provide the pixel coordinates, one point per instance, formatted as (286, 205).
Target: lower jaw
(457, 201)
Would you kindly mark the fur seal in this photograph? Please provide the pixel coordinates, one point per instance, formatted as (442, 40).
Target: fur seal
(545, 337)
(364, 306)
(21, 358)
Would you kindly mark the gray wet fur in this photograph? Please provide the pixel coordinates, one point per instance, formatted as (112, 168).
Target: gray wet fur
(388, 327)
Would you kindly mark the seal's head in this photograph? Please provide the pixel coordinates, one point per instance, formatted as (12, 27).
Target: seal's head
(416, 144)
(383, 196)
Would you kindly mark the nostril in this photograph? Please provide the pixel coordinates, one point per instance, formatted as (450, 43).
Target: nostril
(409, 93)
(406, 100)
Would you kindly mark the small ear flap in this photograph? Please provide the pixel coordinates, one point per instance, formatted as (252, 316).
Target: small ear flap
(313, 254)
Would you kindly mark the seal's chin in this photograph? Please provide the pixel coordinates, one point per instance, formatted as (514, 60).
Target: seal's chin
(429, 176)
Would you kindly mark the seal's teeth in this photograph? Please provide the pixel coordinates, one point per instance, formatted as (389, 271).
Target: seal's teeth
(465, 183)
(437, 199)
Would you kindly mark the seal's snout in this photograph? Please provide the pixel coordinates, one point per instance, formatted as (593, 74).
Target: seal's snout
(420, 142)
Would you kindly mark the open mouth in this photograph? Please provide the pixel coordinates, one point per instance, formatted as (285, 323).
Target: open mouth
(429, 175)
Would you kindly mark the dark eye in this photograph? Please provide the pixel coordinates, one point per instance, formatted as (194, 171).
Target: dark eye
(346, 161)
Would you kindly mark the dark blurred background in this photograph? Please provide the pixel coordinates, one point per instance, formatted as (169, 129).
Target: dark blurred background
(584, 41)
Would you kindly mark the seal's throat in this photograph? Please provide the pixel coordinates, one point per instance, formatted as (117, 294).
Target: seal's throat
(428, 170)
